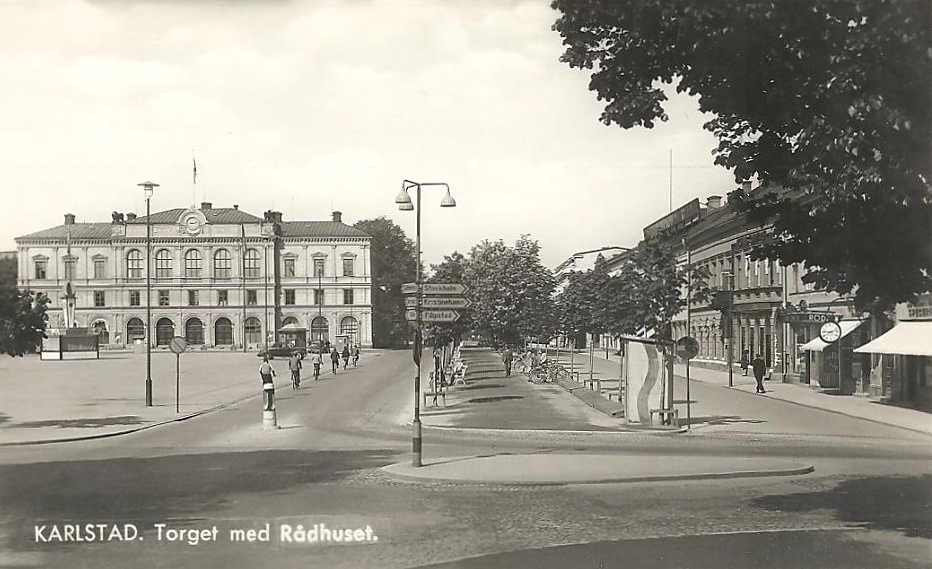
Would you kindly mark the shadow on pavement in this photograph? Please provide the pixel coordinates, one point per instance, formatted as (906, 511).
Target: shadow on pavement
(877, 503)
(155, 489)
(719, 420)
(89, 423)
(494, 399)
(486, 386)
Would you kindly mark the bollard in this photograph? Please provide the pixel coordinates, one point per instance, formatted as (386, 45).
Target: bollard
(269, 418)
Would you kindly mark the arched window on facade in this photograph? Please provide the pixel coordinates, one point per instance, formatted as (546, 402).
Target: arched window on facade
(289, 321)
(252, 331)
(164, 331)
(194, 331)
(134, 264)
(320, 329)
(163, 264)
(349, 326)
(251, 264)
(135, 330)
(223, 264)
(192, 264)
(223, 332)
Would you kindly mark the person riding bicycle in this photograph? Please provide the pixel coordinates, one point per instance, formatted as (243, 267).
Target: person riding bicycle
(355, 355)
(346, 355)
(294, 364)
(317, 361)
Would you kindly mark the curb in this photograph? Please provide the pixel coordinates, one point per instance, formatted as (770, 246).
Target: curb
(810, 406)
(490, 431)
(633, 479)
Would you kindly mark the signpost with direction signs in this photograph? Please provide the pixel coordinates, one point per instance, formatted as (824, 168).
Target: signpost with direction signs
(433, 315)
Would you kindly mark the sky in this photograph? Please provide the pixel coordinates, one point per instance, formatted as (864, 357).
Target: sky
(310, 107)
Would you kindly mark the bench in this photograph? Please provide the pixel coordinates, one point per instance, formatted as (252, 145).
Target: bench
(664, 412)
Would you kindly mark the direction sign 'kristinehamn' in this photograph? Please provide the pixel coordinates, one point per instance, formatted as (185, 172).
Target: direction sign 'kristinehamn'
(435, 288)
(438, 302)
(433, 315)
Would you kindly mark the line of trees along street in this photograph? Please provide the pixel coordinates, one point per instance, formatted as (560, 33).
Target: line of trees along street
(826, 103)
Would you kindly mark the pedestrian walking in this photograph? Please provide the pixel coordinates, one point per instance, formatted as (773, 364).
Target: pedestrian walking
(266, 373)
(345, 356)
(294, 364)
(317, 361)
(508, 358)
(355, 355)
(335, 360)
(759, 368)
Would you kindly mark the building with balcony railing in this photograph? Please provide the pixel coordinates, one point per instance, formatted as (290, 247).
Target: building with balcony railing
(220, 277)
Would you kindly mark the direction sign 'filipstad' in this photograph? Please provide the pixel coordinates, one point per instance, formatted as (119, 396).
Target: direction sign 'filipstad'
(433, 315)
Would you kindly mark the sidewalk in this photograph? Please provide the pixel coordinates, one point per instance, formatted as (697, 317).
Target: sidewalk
(850, 406)
(492, 401)
(59, 401)
(858, 407)
(550, 469)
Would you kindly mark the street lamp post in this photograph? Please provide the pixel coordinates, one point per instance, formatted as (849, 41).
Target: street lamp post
(404, 204)
(148, 188)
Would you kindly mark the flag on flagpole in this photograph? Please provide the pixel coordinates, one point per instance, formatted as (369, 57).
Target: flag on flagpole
(194, 160)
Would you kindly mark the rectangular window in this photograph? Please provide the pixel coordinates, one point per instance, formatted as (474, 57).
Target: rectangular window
(41, 267)
(289, 296)
(69, 269)
(347, 296)
(223, 298)
(289, 266)
(163, 298)
(318, 296)
(192, 264)
(347, 267)
(99, 298)
(251, 298)
(318, 267)
(134, 298)
(192, 298)
(100, 269)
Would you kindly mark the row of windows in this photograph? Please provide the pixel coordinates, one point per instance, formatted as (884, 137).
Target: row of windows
(223, 297)
(223, 330)
(193, 265)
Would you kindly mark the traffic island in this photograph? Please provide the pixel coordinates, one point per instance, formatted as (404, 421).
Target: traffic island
(560, 469)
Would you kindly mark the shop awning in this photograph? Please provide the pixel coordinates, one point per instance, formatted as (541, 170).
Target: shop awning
(905, 339)
(817, 345)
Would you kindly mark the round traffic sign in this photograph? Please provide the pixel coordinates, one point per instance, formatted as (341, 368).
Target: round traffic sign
(687, 347)
(178, 344)
(830, 332)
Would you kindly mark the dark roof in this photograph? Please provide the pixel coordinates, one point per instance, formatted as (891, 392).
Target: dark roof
(77, 231)
(320, 229)
(217, 215)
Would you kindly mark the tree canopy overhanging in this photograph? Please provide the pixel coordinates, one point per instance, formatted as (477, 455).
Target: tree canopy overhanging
(826, 101)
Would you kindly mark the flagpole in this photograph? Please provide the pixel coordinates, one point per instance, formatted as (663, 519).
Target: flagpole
(194, 180)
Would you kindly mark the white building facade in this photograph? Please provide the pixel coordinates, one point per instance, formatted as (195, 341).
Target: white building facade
(220, 277)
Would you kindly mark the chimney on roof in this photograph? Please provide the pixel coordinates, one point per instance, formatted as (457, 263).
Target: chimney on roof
(130, 216)
(69, 219)
(206, 205)
(713, 202)
(746, 186)
(277, 216)
(338, 217)
(236, 206)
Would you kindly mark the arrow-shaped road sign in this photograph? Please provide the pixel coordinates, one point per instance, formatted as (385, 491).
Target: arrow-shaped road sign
(444, 288)
(438, 302)
(433, 315)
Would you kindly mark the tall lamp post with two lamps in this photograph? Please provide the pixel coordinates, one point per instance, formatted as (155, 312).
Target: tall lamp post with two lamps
(148, 189)
(404, 204)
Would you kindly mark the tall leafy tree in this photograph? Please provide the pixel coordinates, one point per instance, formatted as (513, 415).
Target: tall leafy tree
(826, 102)
(581, 301)
(393, 264)
(511, 290)
(23, 317)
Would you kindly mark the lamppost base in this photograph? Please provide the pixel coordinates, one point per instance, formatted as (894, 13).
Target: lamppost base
(269, 420)
(416, 443)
